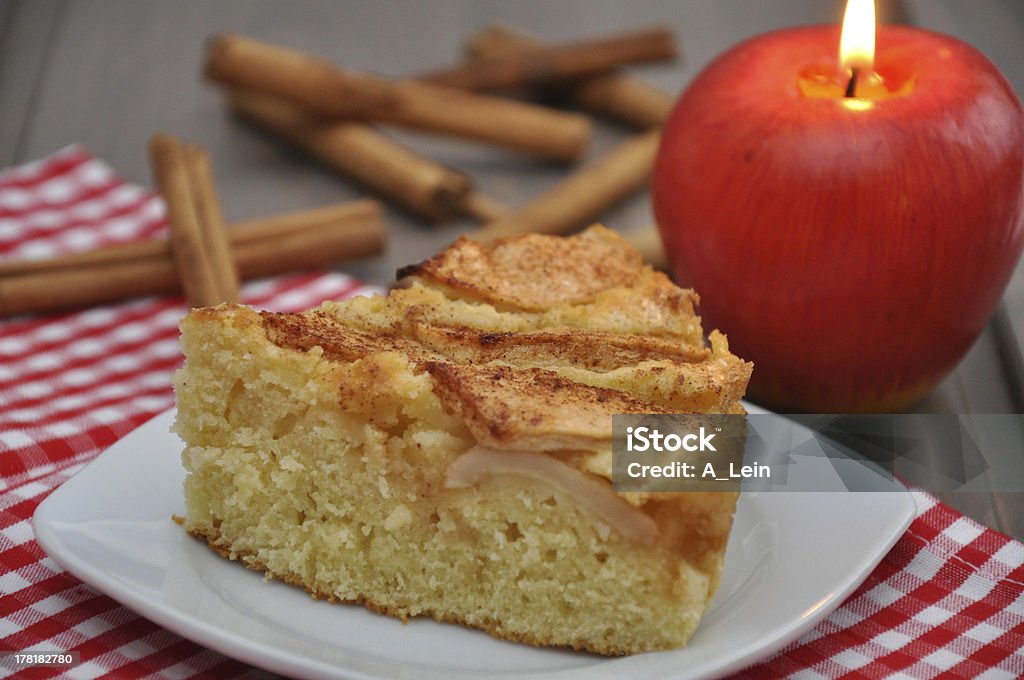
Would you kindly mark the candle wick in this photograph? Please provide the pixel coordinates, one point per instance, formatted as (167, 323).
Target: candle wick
(851, 87)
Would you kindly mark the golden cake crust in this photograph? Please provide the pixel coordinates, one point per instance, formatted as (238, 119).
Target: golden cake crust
(533, 272)
(588, 349)
(531, 409)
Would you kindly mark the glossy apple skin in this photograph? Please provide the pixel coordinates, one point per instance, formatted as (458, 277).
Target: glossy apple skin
(853, 256)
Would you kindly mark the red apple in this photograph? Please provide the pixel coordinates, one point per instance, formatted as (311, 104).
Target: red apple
(852, 248)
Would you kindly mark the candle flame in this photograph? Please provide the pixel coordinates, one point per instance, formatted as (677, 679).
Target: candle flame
(857, 44)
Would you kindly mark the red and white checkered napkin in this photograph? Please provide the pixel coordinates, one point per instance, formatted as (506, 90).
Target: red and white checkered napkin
(947, 601)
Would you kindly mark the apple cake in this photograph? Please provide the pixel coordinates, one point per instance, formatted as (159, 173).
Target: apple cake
(445, 450)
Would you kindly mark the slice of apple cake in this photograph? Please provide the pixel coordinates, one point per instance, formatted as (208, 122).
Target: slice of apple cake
(445, 450)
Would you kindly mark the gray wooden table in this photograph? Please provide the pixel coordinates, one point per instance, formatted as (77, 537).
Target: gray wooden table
(108, 73)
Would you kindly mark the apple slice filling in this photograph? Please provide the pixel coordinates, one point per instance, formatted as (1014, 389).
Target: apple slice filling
(591, 495)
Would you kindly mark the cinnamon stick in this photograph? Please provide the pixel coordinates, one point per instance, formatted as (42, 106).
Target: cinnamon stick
(259, 248)
(585, 194)
(359, 219)
(484, 208)
(213, 233)
(190, 254)
(614, 95)
(544, 64)
(333, 93)
(647, 242)
(302, 78)
(417, 183)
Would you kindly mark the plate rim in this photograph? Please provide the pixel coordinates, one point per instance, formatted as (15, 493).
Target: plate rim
(281, 660)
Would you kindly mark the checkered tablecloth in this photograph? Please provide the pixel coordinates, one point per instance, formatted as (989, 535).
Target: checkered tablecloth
(948, 600)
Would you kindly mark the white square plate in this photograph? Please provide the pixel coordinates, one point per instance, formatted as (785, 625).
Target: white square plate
(793, 558)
